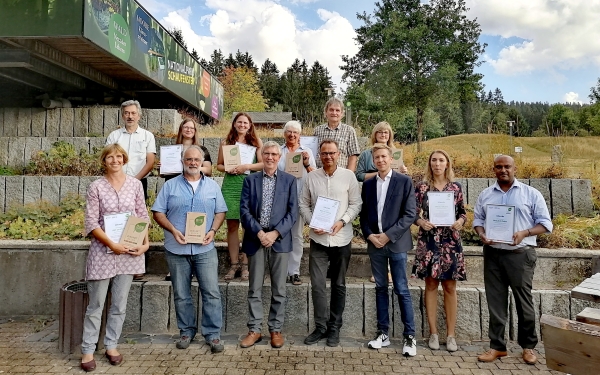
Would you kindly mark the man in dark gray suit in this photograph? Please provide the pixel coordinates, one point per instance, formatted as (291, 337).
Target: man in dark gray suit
(268, 211)
(389, 209)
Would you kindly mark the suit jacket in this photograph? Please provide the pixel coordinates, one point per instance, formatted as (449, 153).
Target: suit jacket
(283, 215)
(399, 211)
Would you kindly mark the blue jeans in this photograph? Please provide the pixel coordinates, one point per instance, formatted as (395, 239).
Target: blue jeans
(205, 267)
(397, 266)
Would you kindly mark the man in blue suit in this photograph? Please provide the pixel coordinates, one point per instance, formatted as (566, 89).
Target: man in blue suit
(268, 211)
(389, 209)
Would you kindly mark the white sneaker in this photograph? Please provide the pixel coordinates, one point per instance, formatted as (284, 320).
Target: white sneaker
(451, 344)
(434, 341)
(410, 346)
(380, 341)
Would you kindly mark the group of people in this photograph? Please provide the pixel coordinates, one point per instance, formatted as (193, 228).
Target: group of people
(273, 206)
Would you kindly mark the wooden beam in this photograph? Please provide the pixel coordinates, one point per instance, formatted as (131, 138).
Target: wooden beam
(571, 346)
(589, 315)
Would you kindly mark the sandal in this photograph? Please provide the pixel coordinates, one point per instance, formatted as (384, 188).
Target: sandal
(245, 273)
(233, 269)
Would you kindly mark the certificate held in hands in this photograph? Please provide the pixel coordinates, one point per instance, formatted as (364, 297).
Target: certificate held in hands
(294, 164)
(231, 157)
(397, 159)
(441, 208)
(170, 159)
(324, 214)
(195, 227)
(134, 232)
(500, 223)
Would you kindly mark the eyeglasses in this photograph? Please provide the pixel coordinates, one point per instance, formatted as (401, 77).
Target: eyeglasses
(196, 160)
(382, 132)
(328, 154)
(188, 128)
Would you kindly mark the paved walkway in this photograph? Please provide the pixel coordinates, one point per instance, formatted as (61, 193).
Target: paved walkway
(29, 345)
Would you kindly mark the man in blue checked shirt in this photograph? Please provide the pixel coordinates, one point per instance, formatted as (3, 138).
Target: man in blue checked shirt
(192, 192)
(511, 264)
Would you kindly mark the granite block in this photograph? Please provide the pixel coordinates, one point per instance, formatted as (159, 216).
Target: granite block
(154, 120)
(1, 122)
(33, 145)
(578, 305)
(152, 181)
(96, 123)
(237, 307)
(84, 183)
(38, 122)
(51, 189)
(16, 152)
(371, 309)
(11, 116)
(170, 120)
(133, 313)
(81, 122)
(474, 187)
(212, 145)
(582, 198)
(47, 142)
(96, 144)
(555, 302)
(4, 150)
(155, 307)
(32, 189)
(561, 197)
(14, 191)
(67, 122)
(2, 194)
(68, 185)
(296, 309)
(543, 186)
(111, 120)
(24, 122)
(53, 122)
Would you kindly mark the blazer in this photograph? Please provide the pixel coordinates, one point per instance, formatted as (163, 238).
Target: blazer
(283, 215)
(399, 211)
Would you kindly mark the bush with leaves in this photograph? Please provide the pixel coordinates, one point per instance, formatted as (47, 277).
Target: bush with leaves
(63, 160)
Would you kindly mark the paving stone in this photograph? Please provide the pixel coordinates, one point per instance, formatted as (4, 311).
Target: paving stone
(112, 118)
(2, 195)
(14, 191)
(172, 313)
(133, 313)
(416, 294)
(96, 122)
(68, 185)
(81, 120)
(32, 186)
(32, 146)
(67, 122)
(155, 306)
(170, 120)
(38, 122)
(24, 122)
(51, 189)
(296, 309)
(582, 198)
(475, 186)
(154, 120)
(371, 310)
(561, 197)
(16, 152)
(53, 122)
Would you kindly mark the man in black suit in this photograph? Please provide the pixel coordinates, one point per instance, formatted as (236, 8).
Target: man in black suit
(389, 209)
(268, 211)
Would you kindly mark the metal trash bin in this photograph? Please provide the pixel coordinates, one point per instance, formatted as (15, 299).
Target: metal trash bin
(74, 300)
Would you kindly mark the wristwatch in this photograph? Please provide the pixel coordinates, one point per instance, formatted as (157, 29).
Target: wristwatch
(343, 222)
(213, 229)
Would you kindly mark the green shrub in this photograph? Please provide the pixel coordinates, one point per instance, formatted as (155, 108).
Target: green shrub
(63, 160)
(8, 171)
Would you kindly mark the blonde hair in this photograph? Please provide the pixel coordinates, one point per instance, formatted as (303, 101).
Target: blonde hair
(448, 173)
(381, 146)
(382, 126)
(116, 148)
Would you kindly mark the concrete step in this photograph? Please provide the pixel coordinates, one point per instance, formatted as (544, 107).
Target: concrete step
(150, 309)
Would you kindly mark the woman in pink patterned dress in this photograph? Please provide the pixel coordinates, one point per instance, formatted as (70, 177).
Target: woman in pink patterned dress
(439, 254)
(110, 264)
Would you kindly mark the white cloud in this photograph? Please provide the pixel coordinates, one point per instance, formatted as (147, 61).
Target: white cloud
(156, 7)
(559, 34)
(266, 29)
(572, 97)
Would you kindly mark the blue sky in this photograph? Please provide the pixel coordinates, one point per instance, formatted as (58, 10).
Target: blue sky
(538, 50)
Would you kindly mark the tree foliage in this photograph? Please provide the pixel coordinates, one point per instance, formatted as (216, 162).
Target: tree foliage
(410, 50)
(241, 91)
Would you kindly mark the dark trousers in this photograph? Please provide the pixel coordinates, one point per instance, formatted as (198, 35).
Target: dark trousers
(338, 259)
(144, 182)
(514, 269)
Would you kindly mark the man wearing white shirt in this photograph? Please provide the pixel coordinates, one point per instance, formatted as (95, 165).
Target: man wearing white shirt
(330, 247)
(511, 265)
(139, 143)
(389, 208)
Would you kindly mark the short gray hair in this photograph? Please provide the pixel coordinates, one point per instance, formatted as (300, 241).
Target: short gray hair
(127, 103)
(193, 147)
(333, 100)
(293, 125)
(270, 144)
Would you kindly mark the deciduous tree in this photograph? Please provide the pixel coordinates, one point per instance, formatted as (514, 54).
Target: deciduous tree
(241, 91)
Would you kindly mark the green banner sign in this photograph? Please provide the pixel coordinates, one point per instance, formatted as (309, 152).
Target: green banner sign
(127, 31)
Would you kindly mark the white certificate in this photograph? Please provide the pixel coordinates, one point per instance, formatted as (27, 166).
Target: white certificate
(441, 208)
(247, 154)
(170, 159)
(324, 214)
(114, 225)
(500, 223)
(312, 143)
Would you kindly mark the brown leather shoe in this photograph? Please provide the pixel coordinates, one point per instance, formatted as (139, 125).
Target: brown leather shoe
(88, 366)
(114, 360)
(277, 340)
(491, 355)
(251, 339)
(529, 356)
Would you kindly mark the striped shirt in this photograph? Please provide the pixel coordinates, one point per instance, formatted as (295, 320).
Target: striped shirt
(345, 136)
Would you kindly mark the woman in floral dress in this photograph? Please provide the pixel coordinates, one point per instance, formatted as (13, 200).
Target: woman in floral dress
(110, 264)
(439, 255)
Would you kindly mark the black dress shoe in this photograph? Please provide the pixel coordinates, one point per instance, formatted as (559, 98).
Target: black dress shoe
(114, 360)
(88, 366)
(315, 336)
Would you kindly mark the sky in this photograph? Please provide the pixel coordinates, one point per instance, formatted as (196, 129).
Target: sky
(538, 50)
